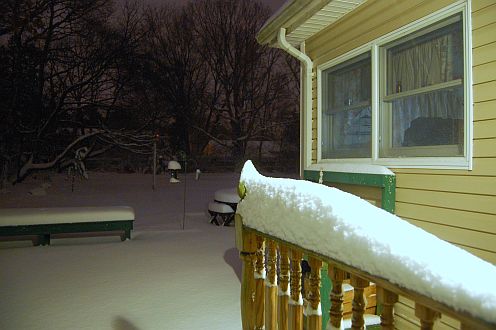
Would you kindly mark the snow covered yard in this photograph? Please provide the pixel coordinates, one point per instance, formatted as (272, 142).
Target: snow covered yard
(164, 278)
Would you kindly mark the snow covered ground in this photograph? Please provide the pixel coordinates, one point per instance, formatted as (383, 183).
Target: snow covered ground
(164, 278)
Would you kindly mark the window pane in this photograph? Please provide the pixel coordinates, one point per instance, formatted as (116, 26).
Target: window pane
(422, 112)
(346, 117)
(430, 119)
(427, 59)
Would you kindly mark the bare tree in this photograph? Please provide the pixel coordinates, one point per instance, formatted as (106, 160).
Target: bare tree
(244, 73)
(179, 75)
(63, 63)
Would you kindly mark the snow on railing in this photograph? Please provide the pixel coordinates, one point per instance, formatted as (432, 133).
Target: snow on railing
(355, 237)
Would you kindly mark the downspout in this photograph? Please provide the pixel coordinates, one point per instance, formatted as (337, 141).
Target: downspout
(306, 100)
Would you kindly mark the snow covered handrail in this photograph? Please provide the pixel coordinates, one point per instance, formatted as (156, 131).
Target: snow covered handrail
(297, 218)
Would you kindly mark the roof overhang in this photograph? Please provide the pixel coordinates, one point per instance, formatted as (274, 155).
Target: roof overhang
(303, 19)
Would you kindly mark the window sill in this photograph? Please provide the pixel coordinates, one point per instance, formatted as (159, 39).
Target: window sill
(383, 165)
(350, 167)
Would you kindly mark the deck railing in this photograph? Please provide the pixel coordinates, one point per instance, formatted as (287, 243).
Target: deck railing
(271, 289)
(275, 302)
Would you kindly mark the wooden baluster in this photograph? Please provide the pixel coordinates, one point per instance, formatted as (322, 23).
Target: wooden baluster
(260, 284)
(271, 287)
(282, 306)
(426, 315)
(337, 277)
(314, 311)
(387, 299)
(296, 300)
(359, 302)
(247, 246)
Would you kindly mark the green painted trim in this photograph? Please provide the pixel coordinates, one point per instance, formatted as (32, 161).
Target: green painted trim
(45, 230)
(362, 179)
(388, 194)
(387, 183)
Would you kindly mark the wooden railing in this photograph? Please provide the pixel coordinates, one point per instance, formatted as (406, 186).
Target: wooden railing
(268, 303)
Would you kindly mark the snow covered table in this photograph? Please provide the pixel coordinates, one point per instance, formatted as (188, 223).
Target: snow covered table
(224, 206)
(43, 222)
(220, 210)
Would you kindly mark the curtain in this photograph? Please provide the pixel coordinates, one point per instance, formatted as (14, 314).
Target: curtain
(420, 62)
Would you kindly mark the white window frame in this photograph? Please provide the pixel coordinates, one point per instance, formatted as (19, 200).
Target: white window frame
(458, 162)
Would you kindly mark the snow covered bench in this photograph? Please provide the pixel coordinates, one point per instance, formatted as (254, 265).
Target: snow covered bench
(44, 222)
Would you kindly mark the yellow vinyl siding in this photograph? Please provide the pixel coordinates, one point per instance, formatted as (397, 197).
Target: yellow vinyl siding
(483, 14)
(484, 54)
(477, 5)
(481, 167)
(484, 73)
(456, 201)
(448, 183)
(482, 222)
(486, 255)
(483, 35)
(485, 148)
(479, 240)
(456, 205)
(485, 91)
(485, 110)
(485, 129)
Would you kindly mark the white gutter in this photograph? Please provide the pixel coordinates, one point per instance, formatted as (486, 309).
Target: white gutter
(306, 100)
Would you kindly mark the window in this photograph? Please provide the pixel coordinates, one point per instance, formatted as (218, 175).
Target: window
(347, 109)
(403, 99)
(422, 108)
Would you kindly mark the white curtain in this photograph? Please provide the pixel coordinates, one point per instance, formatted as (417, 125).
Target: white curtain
(426, 63)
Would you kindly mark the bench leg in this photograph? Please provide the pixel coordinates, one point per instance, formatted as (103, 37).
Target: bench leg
(126, 235)
(43, 239)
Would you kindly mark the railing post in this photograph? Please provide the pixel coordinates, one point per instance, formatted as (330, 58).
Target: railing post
(296, 300)
(314, 311)
(387, 299)
(247, 246)
(271, 287)
(282, 306)
(337, 277)
(359, 303)
(260, 283)
(426, 315)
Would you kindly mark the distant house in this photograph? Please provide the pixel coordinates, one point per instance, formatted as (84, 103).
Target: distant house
(402, 90)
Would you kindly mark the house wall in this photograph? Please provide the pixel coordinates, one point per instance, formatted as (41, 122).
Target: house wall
(456, 205)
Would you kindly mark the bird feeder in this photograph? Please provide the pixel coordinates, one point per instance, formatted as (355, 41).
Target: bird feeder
(174, 167)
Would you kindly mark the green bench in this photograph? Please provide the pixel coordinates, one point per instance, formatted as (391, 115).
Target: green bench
(44, 222)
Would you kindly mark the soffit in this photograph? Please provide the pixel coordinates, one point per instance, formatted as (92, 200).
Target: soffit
(303, 19)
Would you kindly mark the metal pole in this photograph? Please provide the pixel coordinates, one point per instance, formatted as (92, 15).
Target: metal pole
(154, 162)
(184, 197)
